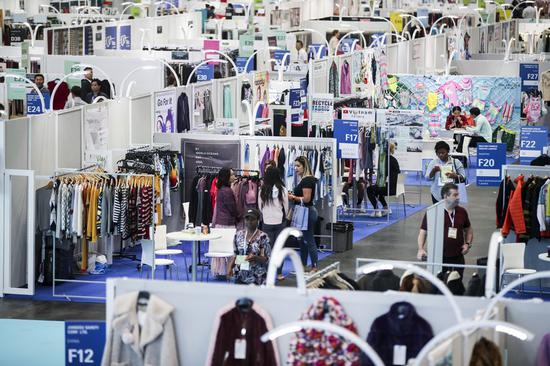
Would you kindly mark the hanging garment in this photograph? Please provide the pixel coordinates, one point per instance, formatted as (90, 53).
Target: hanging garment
(227, 108)
(533, 109)
(450, 91)
(208, 116)
(333, 80)
(345, 78)
(61, 95)
(401, 326)
(137, 342)
(514, 215)
(246, 92)
(236, 338)
(312, 347)
(182, 114)
(543, 353)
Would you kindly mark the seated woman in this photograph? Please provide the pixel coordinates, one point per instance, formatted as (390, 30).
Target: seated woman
(456, 119)
(482, 132)
(252, 252)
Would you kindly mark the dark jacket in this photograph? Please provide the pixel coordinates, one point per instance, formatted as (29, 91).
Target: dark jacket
(226, 207)
(400, 326)
(90, 97)
(380, 281)
(503, 200)
(61, 94)
(183, 114)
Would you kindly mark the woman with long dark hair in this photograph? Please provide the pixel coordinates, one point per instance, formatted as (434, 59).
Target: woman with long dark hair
(273, 203)
(304, 193)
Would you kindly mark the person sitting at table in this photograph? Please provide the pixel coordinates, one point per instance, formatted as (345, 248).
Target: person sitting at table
(455, 119)
(483, 132)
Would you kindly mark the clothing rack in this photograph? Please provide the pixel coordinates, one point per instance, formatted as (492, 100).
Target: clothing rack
(107, 175)
(323, 272)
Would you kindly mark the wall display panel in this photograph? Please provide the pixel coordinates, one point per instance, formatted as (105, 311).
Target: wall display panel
(498, 98)
(43, 143)
(119, 124)
(69, 137)
(140, 109)
(319, 76)
(17, 143)
(165, 111)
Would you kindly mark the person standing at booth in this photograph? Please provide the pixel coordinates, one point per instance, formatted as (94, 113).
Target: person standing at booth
(226, 213)
(374, 192)
(443, 169)
(458, 233)
(301, 52)
(39, 81)
(304, 194)
(96, 92)
(86, 83)
(273, 203)
(334, 39)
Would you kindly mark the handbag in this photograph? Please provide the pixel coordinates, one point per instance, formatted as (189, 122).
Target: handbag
(300, 217)
(461, 183)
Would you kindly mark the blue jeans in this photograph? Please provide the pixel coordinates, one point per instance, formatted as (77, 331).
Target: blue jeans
(273, 232)
(307, 244)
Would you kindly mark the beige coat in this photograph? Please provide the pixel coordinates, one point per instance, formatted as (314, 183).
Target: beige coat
(155, 345)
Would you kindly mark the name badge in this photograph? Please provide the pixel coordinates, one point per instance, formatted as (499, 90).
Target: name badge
(452, 232)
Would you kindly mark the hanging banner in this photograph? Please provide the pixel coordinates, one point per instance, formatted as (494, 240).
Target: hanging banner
(125, 37)
(490, 159)
(211, 44)
(246, 45)
(241, 64)
(110, 38)
(303, 92)
(364, 117)
(84, 342)
(532, 140)
(395, 18)
(34, 106)
(279, 55)
(346, 134)
(165, 111)
(294, 98)
(314, 48)
(18, 35)
(261, 89)
(205, 72)
(347, 45)
(322, 109)
(529, 74)
(25, 58)
(96, 132)
(17, 88)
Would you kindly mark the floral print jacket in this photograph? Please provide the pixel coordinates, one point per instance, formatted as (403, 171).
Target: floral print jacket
(257, 272)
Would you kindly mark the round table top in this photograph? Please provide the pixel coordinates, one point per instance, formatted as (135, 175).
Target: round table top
(191, 236)
(544, 257)
(461, 131)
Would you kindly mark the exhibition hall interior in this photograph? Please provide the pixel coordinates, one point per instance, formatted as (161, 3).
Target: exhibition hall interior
(275, 182)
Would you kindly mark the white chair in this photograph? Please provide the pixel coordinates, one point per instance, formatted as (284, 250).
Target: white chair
(512, 259)
(222, 248)
(466, 148)
(186, 212)
(148, 258)
(161, 243)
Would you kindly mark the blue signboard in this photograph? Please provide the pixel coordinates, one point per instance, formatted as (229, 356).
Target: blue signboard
(110, 38)
(314, 48)
(303, 93)
(84, 342)
(490, 159)
(294, 98)
(125, 37)
(279, 55)
(241, 64)
(205, 73)
(346, 135)
(33, 103)
(529, 74)
(532, 140)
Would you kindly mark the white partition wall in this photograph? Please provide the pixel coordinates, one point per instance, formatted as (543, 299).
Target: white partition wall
(141, 119)
(17, 143)
(69, 139)
(43, 144)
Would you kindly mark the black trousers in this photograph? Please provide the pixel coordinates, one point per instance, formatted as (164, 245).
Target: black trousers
(473, 142)
(374, 192)
(459, 259)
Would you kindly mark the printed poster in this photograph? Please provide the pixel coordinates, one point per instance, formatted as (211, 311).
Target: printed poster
(70, 67)
(96, 133)
(165, 111)
(322, 109)
(17, 88)
(261, 88)
(110, 38)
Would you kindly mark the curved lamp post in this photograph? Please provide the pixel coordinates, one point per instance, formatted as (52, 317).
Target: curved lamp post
(33, 85)
(226, 56)
(498, 326)
(205, 62)
(46, 6)
(452, 17)
(388, 265)
(413, 18)
(74, 73)
(32, 32)
(131, 5)
(278, 255)
(158, 3)
(522, 3)
(346, 35)
(501, 6)
(294, 327)
(145, 68)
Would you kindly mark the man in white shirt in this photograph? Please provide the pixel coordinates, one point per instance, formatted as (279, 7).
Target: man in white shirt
(302, 54)
(333, 43)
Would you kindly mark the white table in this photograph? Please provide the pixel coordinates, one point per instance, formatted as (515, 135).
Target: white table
(187, 236)
(544, 257)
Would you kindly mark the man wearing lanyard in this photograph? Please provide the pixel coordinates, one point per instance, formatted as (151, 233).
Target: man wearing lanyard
(458, 233)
